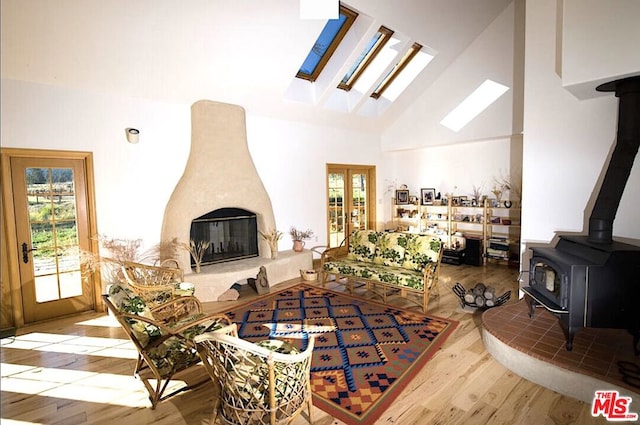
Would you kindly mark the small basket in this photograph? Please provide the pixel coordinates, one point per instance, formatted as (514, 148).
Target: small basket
(309, 274)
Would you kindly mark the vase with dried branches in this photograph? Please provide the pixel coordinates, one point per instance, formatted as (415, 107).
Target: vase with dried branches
(197, 251)
(298, 237)
(272, 237)
(505, 184)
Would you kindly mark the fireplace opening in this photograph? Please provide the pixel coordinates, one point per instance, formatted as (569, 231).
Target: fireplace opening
(232, 234)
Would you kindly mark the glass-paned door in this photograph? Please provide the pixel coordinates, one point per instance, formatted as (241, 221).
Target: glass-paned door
(350, 200)
(51, 204)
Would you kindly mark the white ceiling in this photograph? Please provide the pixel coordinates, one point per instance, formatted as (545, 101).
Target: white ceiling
(238, 51)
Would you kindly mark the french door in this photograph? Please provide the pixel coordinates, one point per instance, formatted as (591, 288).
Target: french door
(350, 200)
(52, 227)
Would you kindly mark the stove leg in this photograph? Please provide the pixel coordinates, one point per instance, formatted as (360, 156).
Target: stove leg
(532, 305)
(568, 335)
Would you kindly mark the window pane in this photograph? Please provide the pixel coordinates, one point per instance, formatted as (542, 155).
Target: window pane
(326, 43)
(321, 45)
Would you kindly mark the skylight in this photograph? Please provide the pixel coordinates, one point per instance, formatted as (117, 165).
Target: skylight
(370, 64)
(369, 53)
(408, 74)
(396, 70)
(327, 42)
(487, 93)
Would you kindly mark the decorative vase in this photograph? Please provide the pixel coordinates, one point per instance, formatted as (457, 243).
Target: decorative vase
(298, 246)
(273, 246)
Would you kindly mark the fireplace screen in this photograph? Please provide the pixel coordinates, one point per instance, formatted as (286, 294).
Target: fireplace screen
(232, 234)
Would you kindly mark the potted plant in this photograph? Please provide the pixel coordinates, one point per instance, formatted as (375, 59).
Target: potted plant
(298, 237)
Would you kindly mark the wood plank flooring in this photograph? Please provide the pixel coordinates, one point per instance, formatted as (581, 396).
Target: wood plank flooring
(79, 371)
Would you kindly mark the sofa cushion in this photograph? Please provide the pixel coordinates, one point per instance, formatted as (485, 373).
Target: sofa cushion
(420, 251)
(390, 249)
(362, 245)
(398, 276)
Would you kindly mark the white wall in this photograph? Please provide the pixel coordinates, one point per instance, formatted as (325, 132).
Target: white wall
(566, 143)
(454, 169)
(490, 56)
(594, 34)
(134, 182)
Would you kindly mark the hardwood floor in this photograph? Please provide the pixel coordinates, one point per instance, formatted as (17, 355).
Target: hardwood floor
(79, 371)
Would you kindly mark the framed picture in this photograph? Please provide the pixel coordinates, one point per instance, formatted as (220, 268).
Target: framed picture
(427, 196)
(402, 197)
(455, 201)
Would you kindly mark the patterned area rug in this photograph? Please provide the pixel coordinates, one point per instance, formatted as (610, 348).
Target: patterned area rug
(365, 353)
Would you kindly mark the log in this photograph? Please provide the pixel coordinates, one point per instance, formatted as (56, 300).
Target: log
(469, 297)
(490, 293)
(479, 289)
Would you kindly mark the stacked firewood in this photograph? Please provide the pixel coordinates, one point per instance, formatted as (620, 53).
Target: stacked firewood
(481, 295)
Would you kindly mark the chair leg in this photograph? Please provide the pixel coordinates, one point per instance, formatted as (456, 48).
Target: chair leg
(310, 407)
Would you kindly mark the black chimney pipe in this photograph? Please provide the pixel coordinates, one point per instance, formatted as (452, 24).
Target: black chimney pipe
(627, 90)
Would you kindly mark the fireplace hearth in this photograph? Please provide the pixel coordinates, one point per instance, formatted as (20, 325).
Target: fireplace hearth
(592, 280)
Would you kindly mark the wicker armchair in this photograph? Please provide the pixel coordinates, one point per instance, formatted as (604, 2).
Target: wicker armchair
(155, 284)
(262, 383)
(162, 336)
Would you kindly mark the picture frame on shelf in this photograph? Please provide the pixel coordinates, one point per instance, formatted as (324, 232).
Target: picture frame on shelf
(402, 197)
(455, 201)
(427, 195)
(464, 201)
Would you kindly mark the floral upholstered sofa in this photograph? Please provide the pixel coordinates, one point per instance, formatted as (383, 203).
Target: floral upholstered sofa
(387, 263)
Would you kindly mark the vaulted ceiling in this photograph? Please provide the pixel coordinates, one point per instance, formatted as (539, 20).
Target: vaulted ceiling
(239, 51)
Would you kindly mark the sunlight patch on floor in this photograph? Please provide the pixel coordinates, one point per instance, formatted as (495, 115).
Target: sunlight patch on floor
(76, 385)
(14, 422)
(71, 344)
(106, 321)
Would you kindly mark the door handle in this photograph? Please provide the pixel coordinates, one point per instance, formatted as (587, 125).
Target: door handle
(25, 252)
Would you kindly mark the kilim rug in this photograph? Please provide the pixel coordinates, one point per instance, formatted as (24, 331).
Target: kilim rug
(365, 352)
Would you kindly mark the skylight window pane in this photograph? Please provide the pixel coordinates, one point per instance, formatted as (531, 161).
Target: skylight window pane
(321, 45)
(327, 42)
(377, 66)
(411, 71)
(487, 93)
(365, 58)
(396, 70)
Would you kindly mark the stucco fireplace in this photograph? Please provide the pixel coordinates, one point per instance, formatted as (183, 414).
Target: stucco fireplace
(220, 174)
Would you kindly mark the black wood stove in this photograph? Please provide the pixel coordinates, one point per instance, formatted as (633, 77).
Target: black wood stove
(594, 281)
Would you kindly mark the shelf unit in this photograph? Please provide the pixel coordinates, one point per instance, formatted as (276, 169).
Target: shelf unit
(502, 233)
(423, 219)
(497, 226)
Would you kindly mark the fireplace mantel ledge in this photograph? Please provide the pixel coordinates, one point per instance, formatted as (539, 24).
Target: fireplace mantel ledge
(215, 279)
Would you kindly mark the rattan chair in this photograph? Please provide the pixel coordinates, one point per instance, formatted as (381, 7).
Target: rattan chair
(262, 383)
(164, 338)
(155, 284)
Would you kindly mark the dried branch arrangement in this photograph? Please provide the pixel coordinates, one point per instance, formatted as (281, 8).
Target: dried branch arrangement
(197, 251)
(300, 235)
(272, 237)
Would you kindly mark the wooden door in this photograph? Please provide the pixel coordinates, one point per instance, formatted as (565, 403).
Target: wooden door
(350, 200)
(51, 209)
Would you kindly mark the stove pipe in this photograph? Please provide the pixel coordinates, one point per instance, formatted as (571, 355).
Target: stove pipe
(627, 90)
